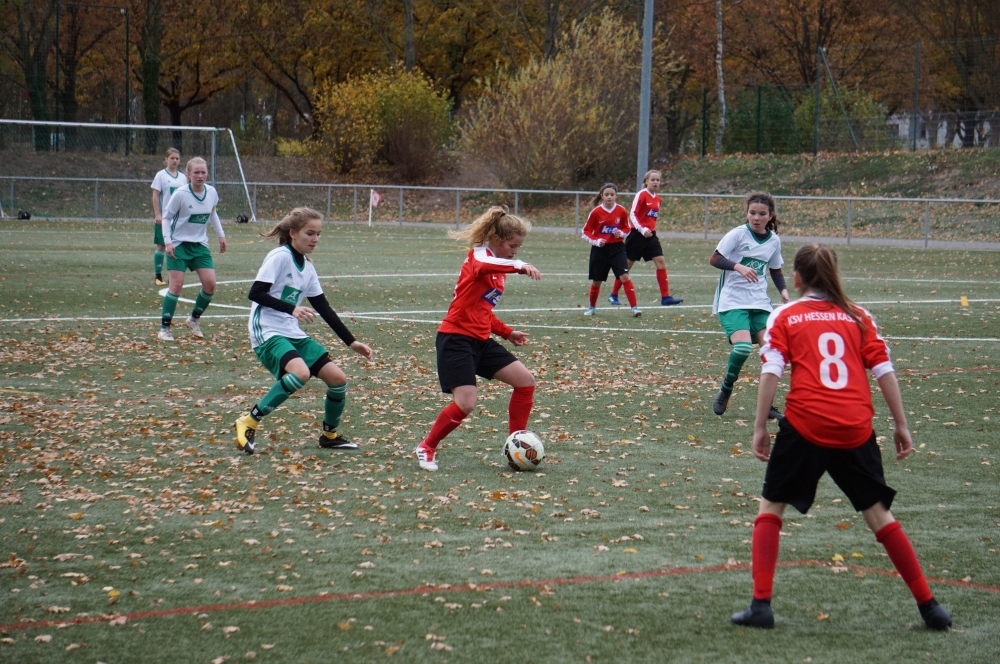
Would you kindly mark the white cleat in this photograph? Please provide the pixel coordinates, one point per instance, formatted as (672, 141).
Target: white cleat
(425, 457)
(635, 312)
(590, 311)
(165, 334)
(195, 327)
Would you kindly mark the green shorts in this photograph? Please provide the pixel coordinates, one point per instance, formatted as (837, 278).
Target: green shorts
(734, 320)
(157, 234)
(271, 351)
(190, 256)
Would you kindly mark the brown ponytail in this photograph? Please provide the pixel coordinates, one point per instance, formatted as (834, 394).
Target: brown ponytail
(293, 221)
(767, 199)
(816, 265)
(494, 224)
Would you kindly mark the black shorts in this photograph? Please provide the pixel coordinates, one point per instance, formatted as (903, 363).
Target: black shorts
(460, 359)
(646, 248)
(796, 466)
(610, 257)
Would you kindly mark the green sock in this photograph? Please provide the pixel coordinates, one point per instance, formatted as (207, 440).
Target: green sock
(737, 356)
(276, 396)
(333, 406)
(158, 262)
(169, 306)
(200, 304)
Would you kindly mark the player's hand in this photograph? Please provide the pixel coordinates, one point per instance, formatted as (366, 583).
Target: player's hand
(761, 443)
(599, 243)
(531, 271)
(304, 314)
(518, 338)
(784, 296)
(646, 232)
(159, 220)
(748, 273)
(170, 250)
(904, 443)
(222, 245)
(362, 349)
(619, 233)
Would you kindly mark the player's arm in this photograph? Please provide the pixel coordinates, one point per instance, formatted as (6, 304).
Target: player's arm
(719, 261)
(323, 308)
(889, 386)
(260, 293)
(486, 264)
(590, 230)
(157, 213)
(633, 219)
(778, 277)
(217, 225)
(172, 208)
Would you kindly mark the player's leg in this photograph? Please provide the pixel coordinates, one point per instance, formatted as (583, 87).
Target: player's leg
(333, 404)
(597, 272)
(620, 265)
(595, 291)
(735, 323)
(662, 281)
(207, 277)
(158, 258)
(522, 398)
(175, 283)
(456, 362)
(293, 372)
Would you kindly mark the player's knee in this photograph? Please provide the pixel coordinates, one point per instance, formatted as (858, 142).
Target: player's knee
(300, 372)
(466, 402)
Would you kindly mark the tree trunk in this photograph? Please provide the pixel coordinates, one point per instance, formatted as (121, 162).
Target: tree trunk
(150, 60)
(721, 129)
(409, 48)
(550, 41)
(35, 38)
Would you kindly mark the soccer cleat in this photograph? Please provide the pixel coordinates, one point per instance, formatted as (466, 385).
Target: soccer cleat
(165, 334)
(331, 440)
(758, 614)
(195, 326)
(636, 312)
(590, 311)
(425, 456)
(775, 414)
(613, 299)
(669, 300)
(246, 428)
(721, 401)
(935, 616)
(158, 280)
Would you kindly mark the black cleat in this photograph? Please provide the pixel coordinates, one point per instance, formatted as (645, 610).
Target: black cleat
(331, 440)
(935, 616)
(721, 401)
(758, 614)
(775, 414)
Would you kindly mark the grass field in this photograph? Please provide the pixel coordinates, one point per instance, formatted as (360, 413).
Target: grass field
(133, 531)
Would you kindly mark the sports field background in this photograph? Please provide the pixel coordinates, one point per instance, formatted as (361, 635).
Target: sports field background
(122, 492)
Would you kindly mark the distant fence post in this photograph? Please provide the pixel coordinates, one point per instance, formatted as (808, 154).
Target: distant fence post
(400, 206)
(516, 201)
(354, 217)
(13, 203)
(97, 184)
(706, 217)
(916, 97)
(329, 194)
(255, 198)
(458, 207)
(850, 218)
(927, 223)
(576, 220)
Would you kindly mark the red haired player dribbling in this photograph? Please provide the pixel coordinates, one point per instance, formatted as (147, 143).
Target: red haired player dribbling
(464, 346)
(830, 342)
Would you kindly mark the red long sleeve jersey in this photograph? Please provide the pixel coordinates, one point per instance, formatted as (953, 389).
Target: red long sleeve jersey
(829, 401)
(602, 224)
(480, 285)
(645, 210)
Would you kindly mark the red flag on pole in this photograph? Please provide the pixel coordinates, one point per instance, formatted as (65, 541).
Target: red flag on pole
(375, 198)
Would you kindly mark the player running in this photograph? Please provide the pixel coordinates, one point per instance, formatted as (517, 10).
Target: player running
(642, 241)
(464, 347)
(285, 279)
(741, 300)
(185, 237)
(829, 341)
(166, 182)
(607, 225)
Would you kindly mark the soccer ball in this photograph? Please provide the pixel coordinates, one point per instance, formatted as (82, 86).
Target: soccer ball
(523, 450)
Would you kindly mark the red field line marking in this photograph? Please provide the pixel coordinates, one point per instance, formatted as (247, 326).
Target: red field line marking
(342, 597)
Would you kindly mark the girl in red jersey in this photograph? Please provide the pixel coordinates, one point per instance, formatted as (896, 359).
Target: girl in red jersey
(829, 341)
(606, 227)
(642, 241)
(464, 347)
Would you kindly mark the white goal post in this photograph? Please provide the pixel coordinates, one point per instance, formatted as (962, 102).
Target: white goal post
(92, 170)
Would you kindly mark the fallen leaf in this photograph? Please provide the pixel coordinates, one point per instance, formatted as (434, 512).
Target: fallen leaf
(231, 629)
(43, 638)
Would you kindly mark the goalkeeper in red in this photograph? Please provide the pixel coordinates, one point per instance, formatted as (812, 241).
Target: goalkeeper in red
(465, 348)
(829, 342)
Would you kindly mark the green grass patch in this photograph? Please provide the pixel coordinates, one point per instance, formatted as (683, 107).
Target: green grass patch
(123, 492)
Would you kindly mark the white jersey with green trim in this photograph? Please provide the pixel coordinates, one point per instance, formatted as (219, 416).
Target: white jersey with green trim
(167, 184)
(743, 247)
(187, 215)
(289, 283)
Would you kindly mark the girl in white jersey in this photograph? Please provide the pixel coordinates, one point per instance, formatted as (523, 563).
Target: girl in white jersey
(741, 300)
(185, 238)
(164, 185)
(285, 279)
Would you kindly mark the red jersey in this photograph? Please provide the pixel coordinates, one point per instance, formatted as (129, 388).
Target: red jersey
(829, 401)
(480, 285)
(645, 210)
(602, 224)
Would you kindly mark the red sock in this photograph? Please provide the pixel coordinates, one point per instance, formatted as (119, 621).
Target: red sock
(617, 286)
(764, 553)
(904, 558)
(661, 278)
(520, 407)
(447, 421)
(630, 292)
(594, 292)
